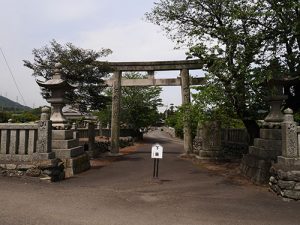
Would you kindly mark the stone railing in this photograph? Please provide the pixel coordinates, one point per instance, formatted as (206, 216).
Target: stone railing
(231, 143)
(18, 141)
(234, 135)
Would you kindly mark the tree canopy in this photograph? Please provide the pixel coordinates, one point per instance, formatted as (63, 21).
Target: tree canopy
(242, 44)
(79, 67)
(139, 105)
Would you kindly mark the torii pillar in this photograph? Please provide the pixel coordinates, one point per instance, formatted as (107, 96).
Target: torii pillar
(186, 103)
(115, 118)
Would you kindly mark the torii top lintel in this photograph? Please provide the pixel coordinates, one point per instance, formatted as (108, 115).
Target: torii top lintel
(155, 65)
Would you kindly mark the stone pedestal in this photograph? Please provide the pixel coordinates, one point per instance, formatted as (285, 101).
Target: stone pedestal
(256, 164)
(211, 147)
(285, 174)
(68, 150)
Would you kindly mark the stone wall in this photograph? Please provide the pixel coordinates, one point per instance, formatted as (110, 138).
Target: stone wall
(234, 142)
(26, 151)
(285, 182)
(18, 141)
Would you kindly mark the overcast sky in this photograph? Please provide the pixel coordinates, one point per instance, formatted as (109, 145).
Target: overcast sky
(94, 24)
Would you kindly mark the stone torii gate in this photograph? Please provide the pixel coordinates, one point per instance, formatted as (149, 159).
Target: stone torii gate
(150, 67)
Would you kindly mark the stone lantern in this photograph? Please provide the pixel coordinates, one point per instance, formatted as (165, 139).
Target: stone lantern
(58, 87)
(276, 98)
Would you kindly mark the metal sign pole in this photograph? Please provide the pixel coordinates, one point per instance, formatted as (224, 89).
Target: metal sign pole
(156, 154)
(154, 168)
(157, 164)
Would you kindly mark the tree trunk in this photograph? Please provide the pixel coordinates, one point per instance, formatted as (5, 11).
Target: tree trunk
(252, 129)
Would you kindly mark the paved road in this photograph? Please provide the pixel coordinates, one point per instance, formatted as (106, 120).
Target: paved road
(122, 193)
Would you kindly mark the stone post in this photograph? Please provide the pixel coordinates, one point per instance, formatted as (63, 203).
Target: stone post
(115, 118)
(211, 141)
(44, 145)
(285, 174)
(99, 128)
(289, 135)
(186, 101)
(74, 129)
(91, 135)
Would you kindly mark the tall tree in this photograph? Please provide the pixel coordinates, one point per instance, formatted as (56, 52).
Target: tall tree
(79, 68)
(282, 49)
(224, 35)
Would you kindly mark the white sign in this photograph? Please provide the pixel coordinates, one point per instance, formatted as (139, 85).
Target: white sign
(157, 151)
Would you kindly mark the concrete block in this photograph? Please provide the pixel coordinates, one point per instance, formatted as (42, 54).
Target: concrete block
(68, 153)
(263, 153)
(64, 144)
(289, 162)
(274, 134)
(77, 165)
(62, 134)
(267, 144)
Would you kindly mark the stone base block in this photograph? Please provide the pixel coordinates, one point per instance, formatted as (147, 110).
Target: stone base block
(68, 153)
(257, 169)
(63, 144)
(288, 163)
(263, 153)
(76, 165)
(267, 144)
(51, 170)
(62, 134)
(273, 134)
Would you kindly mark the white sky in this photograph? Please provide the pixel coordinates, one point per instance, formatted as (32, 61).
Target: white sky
(94, 24)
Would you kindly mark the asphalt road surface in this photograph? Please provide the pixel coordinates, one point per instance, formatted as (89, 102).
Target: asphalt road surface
(123, 193)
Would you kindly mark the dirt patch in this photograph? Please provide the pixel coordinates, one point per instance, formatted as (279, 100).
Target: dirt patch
(229, 170)
(105, 161)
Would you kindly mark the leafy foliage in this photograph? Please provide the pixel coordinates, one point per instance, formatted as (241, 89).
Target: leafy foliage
(79, 67)
(139, 105)
(241, 43)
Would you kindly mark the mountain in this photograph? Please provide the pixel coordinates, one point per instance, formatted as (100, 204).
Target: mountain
(9, 105)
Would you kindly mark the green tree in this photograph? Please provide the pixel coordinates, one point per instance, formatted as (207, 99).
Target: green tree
(4, 116)
(80, 68)
(139, 105)
(235, 40)
(282, 47)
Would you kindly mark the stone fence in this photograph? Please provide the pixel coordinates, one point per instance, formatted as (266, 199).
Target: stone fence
(234, 135)
(214, 142)
(18, 141)
(234, 142)
(39, 150)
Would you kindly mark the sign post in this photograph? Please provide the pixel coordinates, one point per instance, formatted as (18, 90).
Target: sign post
(156, 154)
